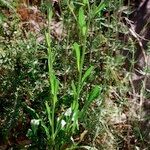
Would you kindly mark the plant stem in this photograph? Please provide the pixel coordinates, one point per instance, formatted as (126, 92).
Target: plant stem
(82, 59)
(50, 68)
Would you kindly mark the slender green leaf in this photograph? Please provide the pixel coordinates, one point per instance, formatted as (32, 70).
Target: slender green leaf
(48, 39)
(81, 19)
(99, 8)
(48, 113)
(50, 13)
(87, 73)
(92, 96)
(52, 84)
(75, 118)
(56, 85)
(73, 105)
(59, 124)
(46, 129)
(74, 89)
(94, 93)
(30, 110)
(84, 30)
(77, 50)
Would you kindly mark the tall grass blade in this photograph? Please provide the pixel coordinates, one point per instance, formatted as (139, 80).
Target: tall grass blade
(48, 113)
(74, 89)
(92, 96)
(99, 8)
(77, 50)
(81, 19)
(46, 129)
(87, 74)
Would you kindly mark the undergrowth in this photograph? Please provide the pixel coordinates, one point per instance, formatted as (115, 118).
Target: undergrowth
(66, 86)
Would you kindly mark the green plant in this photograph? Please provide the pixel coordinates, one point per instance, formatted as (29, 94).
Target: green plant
(67, 123)
(71, 90)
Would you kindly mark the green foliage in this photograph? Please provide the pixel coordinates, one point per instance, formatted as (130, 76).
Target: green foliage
(65, 86)
(77, 50)
(67, 122)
